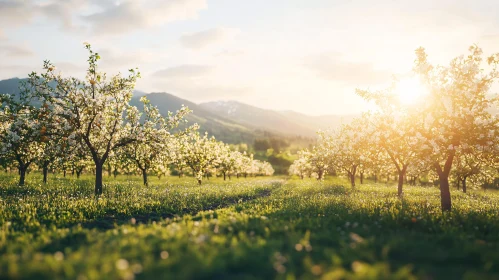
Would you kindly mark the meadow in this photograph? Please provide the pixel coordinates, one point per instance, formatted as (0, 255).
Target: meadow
(254, 228)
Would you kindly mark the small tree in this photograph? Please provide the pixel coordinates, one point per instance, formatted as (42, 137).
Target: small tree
(473, 162)
(22, 129)
(318, 159)
(199, 153)
(395, 133)
(301, 166)
(346, 148)
(230, 161)
(151, 148)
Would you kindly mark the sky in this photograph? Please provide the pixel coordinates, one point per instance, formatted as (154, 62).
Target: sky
(307, 56)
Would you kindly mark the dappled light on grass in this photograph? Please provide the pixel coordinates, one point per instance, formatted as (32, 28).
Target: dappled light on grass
(261, 228)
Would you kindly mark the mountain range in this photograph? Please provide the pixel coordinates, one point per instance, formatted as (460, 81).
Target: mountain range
(230, 121)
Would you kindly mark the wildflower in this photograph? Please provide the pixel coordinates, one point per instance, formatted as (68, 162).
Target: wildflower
(137, 268)
(164, 255)
(121, 264)
(316, 270)
(298, 247)
(58, 256)
(356, 238)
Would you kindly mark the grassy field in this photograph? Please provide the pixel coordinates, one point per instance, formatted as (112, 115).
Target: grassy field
(258, 228)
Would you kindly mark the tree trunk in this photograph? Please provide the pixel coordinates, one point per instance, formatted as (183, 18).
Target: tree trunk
(464, 184)
(401, 180)
(98, 178)
(64, 173)
(22, 174)
(445, 198)
(375, 178)
(320, 174)
(361, 178)
(400, 184)
(224, 175)
(144, 177)
(352, 176)
(443, 176)
(78, 173)
(199, 182)
(45, 172)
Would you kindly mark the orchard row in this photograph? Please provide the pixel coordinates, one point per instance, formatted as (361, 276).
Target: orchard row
(450, 133)
(74, 125)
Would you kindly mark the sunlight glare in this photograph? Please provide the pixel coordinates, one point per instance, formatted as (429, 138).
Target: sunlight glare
(410, 90)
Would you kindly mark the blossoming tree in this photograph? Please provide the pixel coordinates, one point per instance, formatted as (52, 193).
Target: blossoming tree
(456, 110)
(97, 109)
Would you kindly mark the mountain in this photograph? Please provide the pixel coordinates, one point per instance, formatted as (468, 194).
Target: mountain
(289, 123)
(222, 128)
(318, 122)
(10, 86)
(229, 121)
(259, 118)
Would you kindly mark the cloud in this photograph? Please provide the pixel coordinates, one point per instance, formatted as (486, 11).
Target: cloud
(69, 68)
(208, 37)
(215, 92)
(14, 51)
(101, 17)
(11, 71)
(333, 67)
(62, 11)
(117, 58)
(196, 82)
(203, 90)
(131, 15)
(15, 13)
(230, 53)
(184, 71)
(489, 39)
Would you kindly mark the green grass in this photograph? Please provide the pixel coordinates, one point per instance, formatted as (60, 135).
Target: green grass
(258, 228)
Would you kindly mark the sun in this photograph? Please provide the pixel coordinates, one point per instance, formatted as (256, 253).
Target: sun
(410, 90)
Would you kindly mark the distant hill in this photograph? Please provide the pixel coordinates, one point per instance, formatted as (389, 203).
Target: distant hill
(222, 128)
(229, 121)
(257, 117)
(318, 122)
(10, 86)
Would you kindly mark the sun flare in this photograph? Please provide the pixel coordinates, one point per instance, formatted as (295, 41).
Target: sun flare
(410, 90)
